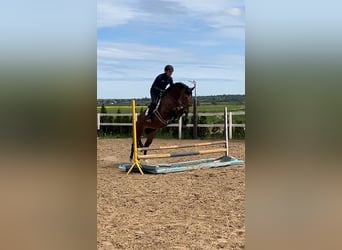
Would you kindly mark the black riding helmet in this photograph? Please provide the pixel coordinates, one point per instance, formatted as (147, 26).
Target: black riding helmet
(168, 67)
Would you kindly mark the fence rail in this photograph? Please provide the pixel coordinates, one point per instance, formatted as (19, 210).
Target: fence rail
(179, 124)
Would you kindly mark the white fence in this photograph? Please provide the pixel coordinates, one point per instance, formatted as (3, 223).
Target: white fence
(179, 124)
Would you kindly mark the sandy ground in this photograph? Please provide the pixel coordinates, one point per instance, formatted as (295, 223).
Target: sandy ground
(197, 209)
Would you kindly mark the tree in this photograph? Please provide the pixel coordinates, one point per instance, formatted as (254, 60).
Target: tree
(117, 130)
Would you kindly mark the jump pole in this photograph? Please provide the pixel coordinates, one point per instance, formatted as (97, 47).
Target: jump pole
(136, 161)
(182, 146)
(178, 154)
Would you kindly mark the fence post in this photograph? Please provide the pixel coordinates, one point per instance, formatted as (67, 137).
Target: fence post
(98, 121)
(230, 125)
(180, 124)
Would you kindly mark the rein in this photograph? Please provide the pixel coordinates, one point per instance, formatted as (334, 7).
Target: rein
(180, 105)
(160, 118)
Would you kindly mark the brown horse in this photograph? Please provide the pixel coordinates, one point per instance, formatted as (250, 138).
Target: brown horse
(173, 104)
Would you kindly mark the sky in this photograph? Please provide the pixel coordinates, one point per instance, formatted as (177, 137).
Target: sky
(203, 40)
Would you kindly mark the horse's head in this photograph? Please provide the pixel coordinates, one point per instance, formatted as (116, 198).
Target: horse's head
(188, 95)
(178, 96)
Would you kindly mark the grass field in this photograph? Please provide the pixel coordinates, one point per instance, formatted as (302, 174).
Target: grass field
(207, 108)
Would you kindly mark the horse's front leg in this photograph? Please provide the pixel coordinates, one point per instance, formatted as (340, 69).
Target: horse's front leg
(150, 137)
(185, 119)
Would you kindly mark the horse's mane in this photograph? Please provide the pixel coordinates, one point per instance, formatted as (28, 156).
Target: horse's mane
(176, 85)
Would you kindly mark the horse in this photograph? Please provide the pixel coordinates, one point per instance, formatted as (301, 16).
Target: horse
(174, 102)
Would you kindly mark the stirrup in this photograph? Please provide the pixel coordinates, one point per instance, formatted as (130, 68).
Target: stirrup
(147, 112)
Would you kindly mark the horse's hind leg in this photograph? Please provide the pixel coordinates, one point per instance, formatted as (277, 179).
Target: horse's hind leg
(131, 155)
(139, 145)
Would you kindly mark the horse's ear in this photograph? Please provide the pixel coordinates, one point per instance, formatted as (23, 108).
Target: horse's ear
(192, 88)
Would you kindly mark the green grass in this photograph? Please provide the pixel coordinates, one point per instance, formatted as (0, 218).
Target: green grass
(220, 107)
(124, 109)
(207, 108)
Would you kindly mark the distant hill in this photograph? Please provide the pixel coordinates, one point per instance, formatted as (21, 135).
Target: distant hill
(213, 99)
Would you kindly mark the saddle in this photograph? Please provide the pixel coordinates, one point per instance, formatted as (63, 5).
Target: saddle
(176, 99)
(155, 112)
(154, 109)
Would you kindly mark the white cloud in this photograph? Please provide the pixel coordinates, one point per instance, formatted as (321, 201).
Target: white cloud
(113, 13)
(194, 36)
(136, 51)
(217, 13)
(234, 11)
(224, 17)
(200, 6)
(203, 42)
(135, 66)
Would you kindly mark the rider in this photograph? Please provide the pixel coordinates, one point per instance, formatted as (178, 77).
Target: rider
(158, 87)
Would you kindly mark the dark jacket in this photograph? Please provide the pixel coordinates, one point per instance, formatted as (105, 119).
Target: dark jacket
(160, 84)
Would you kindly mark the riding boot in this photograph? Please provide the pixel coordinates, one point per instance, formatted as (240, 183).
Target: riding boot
(151, 109)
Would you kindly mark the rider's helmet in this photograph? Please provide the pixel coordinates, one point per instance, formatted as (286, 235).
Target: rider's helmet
(168, 67)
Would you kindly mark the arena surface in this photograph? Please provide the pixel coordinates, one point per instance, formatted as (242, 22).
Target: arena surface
(197, 209)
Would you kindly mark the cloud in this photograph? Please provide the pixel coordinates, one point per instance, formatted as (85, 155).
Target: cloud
(113, 13)
(234, 11)
(200, 6)
(137, 51)
(216, 13)
(204, 40)
(122, 62)
(212, 10)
